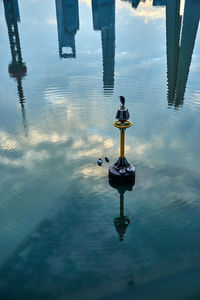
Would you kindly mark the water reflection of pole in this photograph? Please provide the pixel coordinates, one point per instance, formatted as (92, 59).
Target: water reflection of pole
(121, 222)
(17, 68)
(104, 20)
(68, 24)
(22, 101)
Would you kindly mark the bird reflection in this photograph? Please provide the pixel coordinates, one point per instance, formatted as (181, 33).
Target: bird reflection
(121, 222)
(17, 68)
(180, 46)
(68, 24)
(103, 12)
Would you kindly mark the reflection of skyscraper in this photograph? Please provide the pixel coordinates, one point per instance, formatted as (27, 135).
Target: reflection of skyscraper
(173, 28)
(17, 67)
(159, 2)
(134, 3)
(188, 37)
(68, 24)
(104, 20)
(180, 49)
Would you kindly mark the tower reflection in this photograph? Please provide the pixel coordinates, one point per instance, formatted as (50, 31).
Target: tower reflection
(173, 28)
(134, 3)
(103, 12)
(68, 24)
(17, 68)
(180, 46)
(159, 2)
(121, 222)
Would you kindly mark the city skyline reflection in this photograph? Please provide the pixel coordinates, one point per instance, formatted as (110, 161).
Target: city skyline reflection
(181, 33)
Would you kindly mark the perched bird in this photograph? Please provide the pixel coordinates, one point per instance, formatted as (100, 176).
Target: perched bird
(107, 159)
(122, 99)
(99, 162)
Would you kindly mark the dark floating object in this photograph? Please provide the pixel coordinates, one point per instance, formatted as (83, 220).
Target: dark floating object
(122, 172)
(99, 162)
(122, 99)
(107, 159)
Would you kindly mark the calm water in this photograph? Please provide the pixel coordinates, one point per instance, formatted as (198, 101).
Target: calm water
(63, 66)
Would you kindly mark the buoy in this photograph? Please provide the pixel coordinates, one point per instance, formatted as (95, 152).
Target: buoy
(122, 172)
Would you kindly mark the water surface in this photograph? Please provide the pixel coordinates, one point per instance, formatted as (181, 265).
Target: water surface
(63, 66)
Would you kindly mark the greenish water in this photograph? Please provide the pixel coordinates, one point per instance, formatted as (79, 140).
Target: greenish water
(63, 66)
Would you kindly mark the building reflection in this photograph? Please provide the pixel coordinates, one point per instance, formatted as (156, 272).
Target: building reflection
(121, 222)
(173, 28)
(103, 12)
(134, 3)
(17, 68)
(159, 2)
(68, 24)
(180, 46)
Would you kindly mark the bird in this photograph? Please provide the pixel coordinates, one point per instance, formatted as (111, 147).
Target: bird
(107, 159)
(122, 99)
(99, 162)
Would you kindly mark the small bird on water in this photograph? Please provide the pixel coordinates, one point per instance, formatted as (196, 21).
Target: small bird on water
(99, 162)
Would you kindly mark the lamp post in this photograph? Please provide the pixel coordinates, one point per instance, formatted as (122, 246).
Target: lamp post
(122, 172)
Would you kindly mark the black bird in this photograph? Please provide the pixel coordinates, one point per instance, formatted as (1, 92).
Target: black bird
(122, 99)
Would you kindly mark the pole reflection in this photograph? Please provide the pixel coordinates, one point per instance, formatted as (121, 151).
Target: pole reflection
(121, 222)
(17, 68)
